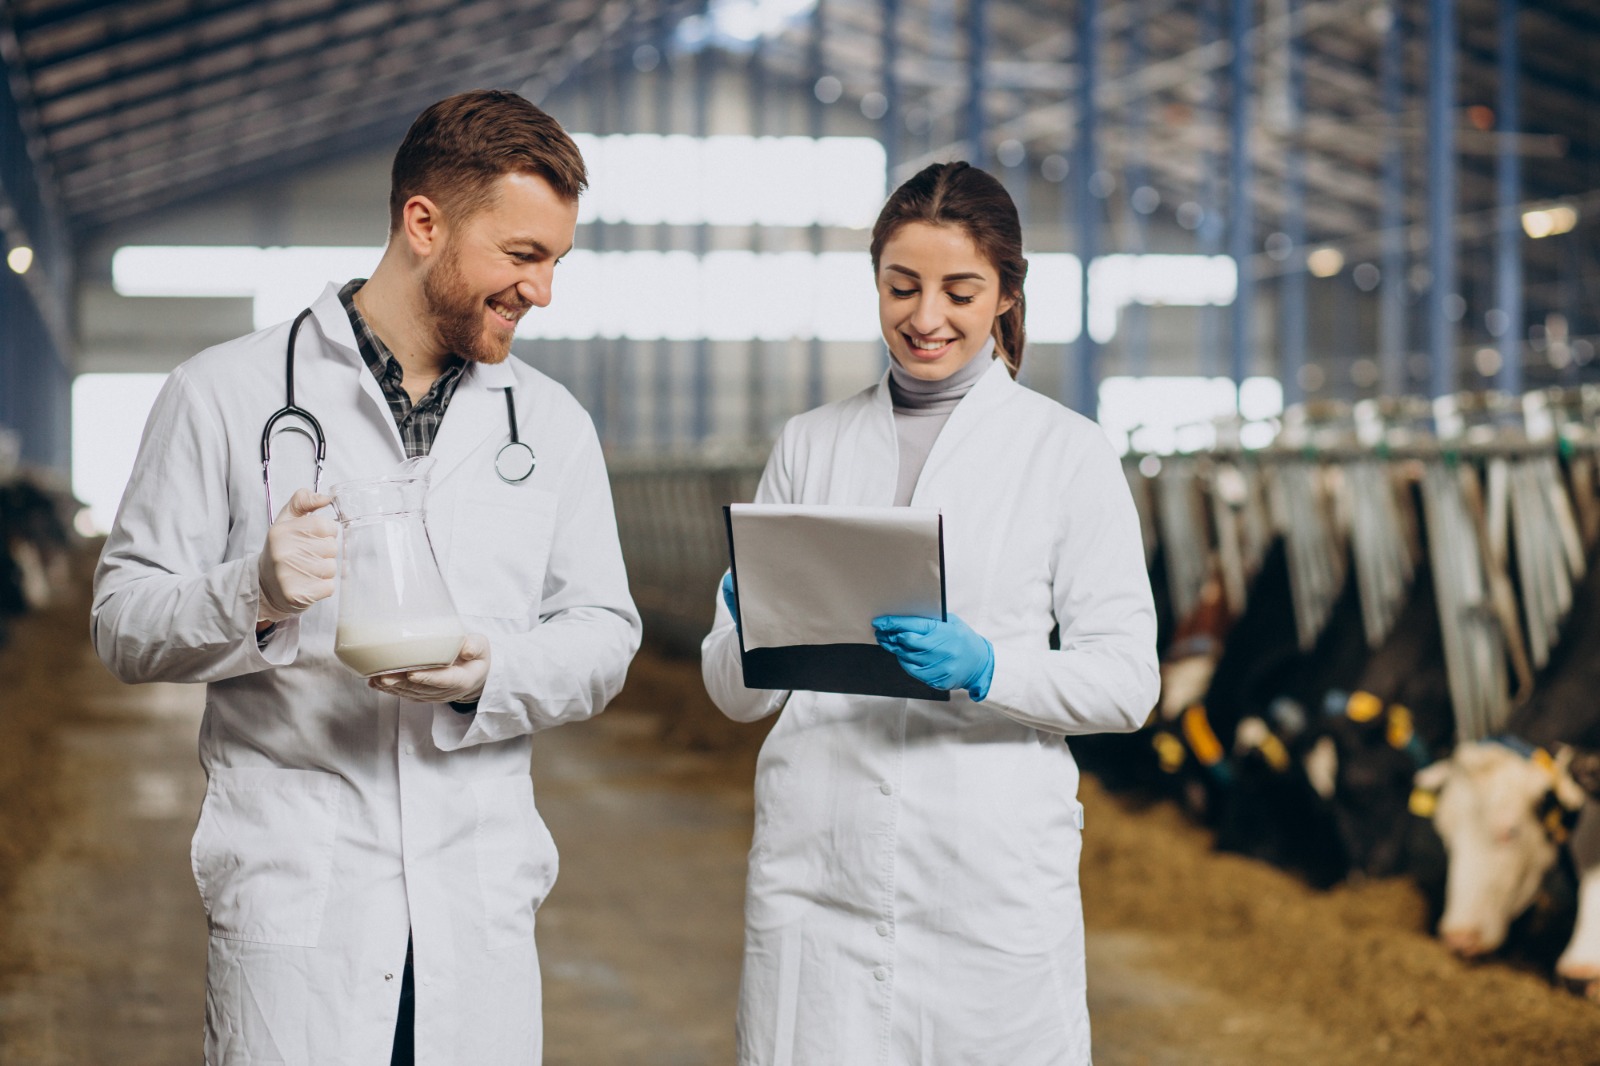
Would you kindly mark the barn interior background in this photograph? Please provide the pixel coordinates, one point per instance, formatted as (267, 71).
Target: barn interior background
(1324, 270)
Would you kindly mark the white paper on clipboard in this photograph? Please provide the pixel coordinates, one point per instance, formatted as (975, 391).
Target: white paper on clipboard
(818, 574)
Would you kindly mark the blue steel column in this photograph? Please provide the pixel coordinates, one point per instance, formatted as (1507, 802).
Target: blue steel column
(594, 354)
(35, 376)
(817, 123)
(700, 420)
(1241, 214)
(1294, 224)
(1508, 188)
(665, 85)
(977, 54)
(756, 370)
(1209, 234)
(1441, 194)
(1392, 252)
(1084, 393)
(1136, 333)
(623, 349)
(889, 131)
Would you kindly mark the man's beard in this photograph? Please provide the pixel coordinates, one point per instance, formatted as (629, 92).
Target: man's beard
(458, 317)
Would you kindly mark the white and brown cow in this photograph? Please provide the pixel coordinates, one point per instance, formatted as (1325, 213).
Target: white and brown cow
(1505, 813)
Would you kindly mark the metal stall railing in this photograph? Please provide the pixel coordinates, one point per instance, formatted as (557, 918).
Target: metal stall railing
(669, 519)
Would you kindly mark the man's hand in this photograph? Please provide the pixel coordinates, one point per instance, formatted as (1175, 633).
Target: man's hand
(299, 560)
(460, 682)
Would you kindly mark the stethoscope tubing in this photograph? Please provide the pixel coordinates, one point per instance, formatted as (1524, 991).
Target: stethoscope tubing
(513, 463)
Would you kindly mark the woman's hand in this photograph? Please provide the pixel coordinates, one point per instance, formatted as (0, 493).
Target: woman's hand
(943, 655)
(729, 599)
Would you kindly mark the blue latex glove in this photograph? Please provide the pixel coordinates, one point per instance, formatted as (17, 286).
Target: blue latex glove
(943, 655)
(727, 598)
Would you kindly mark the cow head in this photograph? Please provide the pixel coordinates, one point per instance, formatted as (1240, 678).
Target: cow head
(1501, 813)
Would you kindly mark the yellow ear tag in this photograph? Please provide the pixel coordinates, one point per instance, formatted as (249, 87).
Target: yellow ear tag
(1554, 826)
(1423, 803)
(1363, 707)
(1202, 739)
(1169, 751)
(1276, 754)
(1399, 731)
(1543, 761)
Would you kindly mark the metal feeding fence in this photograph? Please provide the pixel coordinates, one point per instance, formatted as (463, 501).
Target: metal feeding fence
(1506, 525)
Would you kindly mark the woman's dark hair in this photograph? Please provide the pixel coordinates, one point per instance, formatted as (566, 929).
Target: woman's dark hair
(959, 194)
(457, 149)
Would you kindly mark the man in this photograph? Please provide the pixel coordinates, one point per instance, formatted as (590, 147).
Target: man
(369, 849)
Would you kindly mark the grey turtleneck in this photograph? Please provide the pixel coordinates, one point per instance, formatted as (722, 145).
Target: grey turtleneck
(921, 408)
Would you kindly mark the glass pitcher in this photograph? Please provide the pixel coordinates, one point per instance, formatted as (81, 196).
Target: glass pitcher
(395, 612)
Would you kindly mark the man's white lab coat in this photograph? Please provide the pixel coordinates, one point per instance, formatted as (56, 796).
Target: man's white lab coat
(337, 818)
(913, 884)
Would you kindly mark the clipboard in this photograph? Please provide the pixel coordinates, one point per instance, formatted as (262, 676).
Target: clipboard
(850, 667)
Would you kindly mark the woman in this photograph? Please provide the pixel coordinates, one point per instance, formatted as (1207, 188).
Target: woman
(913, 884)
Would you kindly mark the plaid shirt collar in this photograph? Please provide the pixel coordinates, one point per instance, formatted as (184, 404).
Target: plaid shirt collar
(419, 422)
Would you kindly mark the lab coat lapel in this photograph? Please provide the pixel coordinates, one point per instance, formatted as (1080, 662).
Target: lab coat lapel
(986, 394)
(874, 460)
(476, 412)
(333, 322)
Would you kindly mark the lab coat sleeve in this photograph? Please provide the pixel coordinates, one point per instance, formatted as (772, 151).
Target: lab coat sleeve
(573, 662)
(1105, 676)
(720, 664)
(168, 604)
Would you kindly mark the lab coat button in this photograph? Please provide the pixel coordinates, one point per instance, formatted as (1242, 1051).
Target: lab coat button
(410, 750)
(886, 788)
(388, 977)
(881, 973)
(883, 928)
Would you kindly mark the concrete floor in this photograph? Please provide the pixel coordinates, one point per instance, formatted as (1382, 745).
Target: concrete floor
(640, 939)
(102, 954)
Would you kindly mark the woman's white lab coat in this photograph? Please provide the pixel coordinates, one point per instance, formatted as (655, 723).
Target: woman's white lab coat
(913, 883)
(337, 818)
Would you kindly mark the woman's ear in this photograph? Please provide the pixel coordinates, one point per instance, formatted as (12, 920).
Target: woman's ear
(1006, 304)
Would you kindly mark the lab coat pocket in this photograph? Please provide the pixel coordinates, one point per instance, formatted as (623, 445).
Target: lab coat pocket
(499, 548)
(516, 858)
(262, 854)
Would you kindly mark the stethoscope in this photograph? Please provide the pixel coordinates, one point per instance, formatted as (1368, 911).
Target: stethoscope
(513, 463)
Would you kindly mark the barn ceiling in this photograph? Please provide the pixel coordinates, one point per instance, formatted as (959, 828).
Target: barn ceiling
(137, 104)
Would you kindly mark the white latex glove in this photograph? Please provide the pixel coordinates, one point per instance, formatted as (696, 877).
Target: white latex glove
(299, 560)
(460, 682)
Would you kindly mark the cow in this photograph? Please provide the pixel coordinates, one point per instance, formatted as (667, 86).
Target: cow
(35, 543)
(1515, 803)
(1505, 811)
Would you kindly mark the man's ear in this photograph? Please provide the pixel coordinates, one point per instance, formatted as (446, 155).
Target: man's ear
(422, 225)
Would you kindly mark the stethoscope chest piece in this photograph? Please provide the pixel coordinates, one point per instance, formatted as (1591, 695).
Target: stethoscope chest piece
(514, 462)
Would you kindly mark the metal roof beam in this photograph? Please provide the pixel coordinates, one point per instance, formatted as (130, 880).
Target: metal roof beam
(57, 14)
(68, 131)
(401, 90)
(1154, 78)
(287, 90)
(41, 57)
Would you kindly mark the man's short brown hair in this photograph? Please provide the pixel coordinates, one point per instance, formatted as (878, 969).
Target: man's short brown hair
(457, 148)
